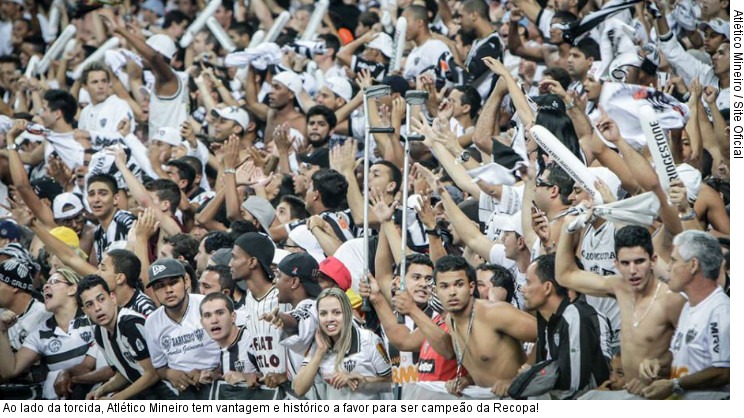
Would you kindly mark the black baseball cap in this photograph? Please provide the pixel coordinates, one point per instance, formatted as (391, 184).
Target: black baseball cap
(47, 188)
(303, 266)
(259, 246)
(165, 268)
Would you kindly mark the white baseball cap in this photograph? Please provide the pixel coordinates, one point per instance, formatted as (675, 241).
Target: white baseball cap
(384, 43)
(718, 25)
(290, 80)
(234, 114)
(163, 45)
(168, 135)
(340, 87)
(66, 199)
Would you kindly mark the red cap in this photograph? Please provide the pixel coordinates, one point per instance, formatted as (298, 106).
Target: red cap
(337, 271)
(345, 36)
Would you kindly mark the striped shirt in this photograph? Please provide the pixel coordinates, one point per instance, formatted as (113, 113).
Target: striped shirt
(117, 230)
(141, 303)
(264, 337)
(126, 346)
(60, 349)
(238, 357)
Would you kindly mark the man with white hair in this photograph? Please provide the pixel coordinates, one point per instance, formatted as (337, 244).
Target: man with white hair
(701, 344)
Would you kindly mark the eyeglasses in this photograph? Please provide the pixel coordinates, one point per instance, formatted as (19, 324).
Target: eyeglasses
(539, 182)
(53, 281)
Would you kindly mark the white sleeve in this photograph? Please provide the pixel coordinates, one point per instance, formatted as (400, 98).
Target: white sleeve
(685, 64)
(307, 324)
(157, 356)
(378, 356)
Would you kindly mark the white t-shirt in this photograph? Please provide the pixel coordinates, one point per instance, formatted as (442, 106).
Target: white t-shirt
(598, 256)
(26, 322)
(66, 147)
(702, 338)
(366, 356)
(297, 345)
(423, 56)
(105, 116)
(181, 345)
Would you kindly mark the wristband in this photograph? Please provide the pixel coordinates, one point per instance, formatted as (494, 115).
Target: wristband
(431, 231)
(229, 171)
(12, 147)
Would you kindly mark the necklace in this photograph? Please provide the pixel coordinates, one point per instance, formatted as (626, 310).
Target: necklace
(637, 321)
(460, 353)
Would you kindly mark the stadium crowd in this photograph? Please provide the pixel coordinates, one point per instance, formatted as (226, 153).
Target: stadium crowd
(364, 199)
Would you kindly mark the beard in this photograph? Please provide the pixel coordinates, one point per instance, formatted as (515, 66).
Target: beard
(318, 143)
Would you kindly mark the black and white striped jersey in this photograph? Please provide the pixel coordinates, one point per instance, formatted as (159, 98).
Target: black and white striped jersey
(239, 356)
(60, 349)
(117, 230)
(141, 303)
(126, 346)
(264, 337)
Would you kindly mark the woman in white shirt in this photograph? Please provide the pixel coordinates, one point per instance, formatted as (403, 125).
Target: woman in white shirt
(346, 361)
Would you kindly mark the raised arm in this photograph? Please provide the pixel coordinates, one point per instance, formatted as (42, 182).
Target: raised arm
(20, 178)
(568, 274)
(466, 229)
(403, 338)
(251, 97)
(486, 126)
(63, 251)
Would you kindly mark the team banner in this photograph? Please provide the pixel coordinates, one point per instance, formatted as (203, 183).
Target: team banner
(623, 102)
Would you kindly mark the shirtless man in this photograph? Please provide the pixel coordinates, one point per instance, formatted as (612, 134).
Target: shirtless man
(648, 309)
(486, 337)
(285, 88)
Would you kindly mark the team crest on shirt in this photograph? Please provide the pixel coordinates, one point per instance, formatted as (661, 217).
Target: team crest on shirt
(22, 336)
(103, 122)
(349, 365)
(691, 334)
(240, 366)
(139, 344)
(55, 345)
(557, 339)
(199, 334)
(165, 342)
(86, 335)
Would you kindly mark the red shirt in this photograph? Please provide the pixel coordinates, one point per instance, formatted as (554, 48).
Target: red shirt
(432, 367)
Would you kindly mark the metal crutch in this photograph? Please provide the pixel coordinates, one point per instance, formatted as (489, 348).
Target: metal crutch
(370, 93)
(413, 98)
